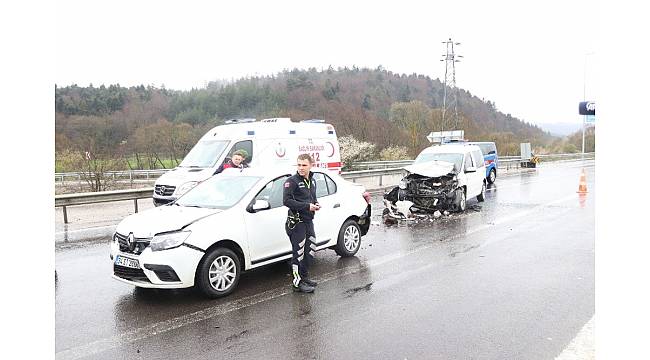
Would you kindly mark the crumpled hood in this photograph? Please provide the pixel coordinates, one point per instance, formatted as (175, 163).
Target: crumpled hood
(181, 175)
(431, 168)
(147, 223)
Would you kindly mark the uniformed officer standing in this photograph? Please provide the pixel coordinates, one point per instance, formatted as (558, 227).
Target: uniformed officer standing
(300, 197)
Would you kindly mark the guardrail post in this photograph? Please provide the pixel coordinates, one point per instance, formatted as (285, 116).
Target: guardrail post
(65, 215)
(135, 201)
(380, 180)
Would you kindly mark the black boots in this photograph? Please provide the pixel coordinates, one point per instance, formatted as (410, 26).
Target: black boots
(303, 287)
(309, 282)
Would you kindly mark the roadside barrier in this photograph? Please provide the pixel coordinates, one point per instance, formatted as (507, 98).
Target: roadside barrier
(384, 176)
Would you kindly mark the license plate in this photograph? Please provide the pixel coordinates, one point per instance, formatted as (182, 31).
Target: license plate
(124, 261)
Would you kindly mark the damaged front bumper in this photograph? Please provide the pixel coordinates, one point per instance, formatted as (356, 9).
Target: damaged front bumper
(419, 193)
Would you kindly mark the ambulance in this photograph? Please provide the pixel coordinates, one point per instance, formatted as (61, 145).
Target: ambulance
(268, 142)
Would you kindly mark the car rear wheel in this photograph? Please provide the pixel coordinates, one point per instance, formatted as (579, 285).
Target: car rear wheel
(492, 177)
(349, 240)
(481, 196)
(218, 273)
(461, 200)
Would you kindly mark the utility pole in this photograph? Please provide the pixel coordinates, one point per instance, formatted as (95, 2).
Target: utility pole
(584, 98)
(450, 98)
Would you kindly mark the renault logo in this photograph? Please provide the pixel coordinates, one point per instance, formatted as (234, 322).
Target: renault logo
(130, 242)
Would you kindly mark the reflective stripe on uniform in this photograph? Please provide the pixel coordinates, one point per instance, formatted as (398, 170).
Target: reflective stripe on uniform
(296, 275)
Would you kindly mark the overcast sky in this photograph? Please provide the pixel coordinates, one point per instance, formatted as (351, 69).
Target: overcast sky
(527, 57)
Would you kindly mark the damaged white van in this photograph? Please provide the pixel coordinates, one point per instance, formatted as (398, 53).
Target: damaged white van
(442, 177)
(269, 142)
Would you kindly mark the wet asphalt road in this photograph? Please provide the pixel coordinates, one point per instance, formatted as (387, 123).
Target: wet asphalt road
(512, 278)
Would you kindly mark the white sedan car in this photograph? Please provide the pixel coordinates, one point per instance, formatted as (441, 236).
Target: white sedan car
(231, 223)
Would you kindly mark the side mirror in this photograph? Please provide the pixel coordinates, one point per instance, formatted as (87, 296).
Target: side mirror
(259, 205)
(470, 169)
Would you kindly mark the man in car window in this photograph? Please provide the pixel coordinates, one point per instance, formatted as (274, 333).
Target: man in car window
(237, 161)
(300, 197)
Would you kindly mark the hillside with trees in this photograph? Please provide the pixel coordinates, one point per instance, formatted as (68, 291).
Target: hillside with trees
(145, 127)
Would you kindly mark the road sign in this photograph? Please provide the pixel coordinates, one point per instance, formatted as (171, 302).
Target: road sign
(587, 108)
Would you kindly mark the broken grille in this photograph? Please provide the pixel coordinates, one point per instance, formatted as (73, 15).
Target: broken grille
(164, 190)
(138, 247)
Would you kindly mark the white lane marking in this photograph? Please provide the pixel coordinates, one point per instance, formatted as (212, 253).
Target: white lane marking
(582, 347)
(188, 319)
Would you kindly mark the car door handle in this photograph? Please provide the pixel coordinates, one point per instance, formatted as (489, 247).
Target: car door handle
(337, 205)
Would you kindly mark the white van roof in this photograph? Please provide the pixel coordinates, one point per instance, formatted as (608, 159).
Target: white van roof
(271, 128)
(450, 148)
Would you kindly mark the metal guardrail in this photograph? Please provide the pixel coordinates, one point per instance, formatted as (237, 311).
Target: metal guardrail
(99, 197)
(369, 165)
(365, 165)
(146, 193)
(130, 174)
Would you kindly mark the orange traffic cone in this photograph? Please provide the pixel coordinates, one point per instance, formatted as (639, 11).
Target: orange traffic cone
(582, 188)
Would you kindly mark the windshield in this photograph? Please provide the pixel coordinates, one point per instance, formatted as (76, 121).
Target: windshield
(456, 159)
(218, 192)
(205, 153)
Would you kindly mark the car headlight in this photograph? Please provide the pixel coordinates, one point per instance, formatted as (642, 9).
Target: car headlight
(168, 240)
(185, 188)
(402, 184)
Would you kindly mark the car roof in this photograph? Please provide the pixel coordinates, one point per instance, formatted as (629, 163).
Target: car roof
(456, 148)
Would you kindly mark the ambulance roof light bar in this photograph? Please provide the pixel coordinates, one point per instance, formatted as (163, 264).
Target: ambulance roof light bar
(239, 121)
(276, 120)
(314, 121)
(443, 137)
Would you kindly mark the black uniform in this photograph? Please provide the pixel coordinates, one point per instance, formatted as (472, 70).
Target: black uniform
(299, 193)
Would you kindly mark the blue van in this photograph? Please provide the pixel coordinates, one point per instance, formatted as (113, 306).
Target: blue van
(491, 158)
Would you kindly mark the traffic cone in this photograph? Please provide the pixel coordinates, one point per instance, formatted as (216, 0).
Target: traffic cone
(582, 188)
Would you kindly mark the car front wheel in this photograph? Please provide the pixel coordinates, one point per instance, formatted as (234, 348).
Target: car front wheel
(461, 200)
(218, 273)
(481, 196)
(349, 240)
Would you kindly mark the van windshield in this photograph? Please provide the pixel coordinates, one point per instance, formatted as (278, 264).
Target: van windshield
(205, 153)
(456, 159)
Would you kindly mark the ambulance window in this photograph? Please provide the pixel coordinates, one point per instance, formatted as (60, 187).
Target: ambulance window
(246, 145)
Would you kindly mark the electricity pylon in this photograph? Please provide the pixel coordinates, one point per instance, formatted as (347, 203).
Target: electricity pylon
(450, 98)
